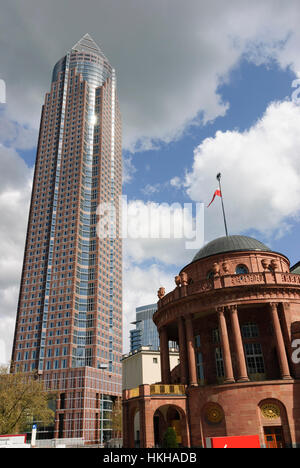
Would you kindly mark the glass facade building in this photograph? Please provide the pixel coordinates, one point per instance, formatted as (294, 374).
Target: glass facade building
(145, 333)
(69, 318)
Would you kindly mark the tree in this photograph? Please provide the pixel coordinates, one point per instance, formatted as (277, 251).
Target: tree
(22, 401)
(116, 419)
(170, 438)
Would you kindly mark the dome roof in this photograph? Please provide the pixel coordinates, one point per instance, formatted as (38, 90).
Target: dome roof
(296, 269)
(230, 244)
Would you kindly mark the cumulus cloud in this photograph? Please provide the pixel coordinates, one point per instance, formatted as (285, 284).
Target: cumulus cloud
(154, 252)
(166, 233)
(261, 174)
(140, 288)
(128, 170)
(15, 189)
(15, 135)
(141, 281)
(170, 57)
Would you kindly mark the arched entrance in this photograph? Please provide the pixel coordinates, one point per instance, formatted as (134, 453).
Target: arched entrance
(275, 432)
(133, 429)
(170, 416)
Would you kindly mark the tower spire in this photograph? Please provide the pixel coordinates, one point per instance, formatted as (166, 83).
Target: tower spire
(87, 44)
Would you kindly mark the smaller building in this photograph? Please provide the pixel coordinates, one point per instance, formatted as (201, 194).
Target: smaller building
(143, 367)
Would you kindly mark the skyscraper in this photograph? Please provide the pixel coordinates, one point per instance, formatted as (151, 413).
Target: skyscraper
(145, 333)
(69, 318)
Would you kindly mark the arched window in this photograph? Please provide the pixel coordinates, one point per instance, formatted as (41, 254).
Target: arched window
(210, 275)
(241, 270)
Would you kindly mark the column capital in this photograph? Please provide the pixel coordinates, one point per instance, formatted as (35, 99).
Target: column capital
(220, 310)
(274, 305)
(233, 308)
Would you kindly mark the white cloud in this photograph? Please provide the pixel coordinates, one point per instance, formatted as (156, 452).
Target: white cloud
(128, 169)
(151, 189)
(16, 135)
(260, 174)
(176, 182)
(169, 58)
(15, 189)
(169, 61)
(140, 288)
(161, 232)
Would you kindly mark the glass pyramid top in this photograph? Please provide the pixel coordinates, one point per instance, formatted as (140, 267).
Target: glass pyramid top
(87, 44)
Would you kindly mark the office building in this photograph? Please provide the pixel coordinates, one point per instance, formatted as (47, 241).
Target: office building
(145, 332)
(69, 317)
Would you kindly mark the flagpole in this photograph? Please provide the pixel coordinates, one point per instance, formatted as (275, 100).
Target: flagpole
(219, 180)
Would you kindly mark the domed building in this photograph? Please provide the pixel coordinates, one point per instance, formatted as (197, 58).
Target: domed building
(235, 314)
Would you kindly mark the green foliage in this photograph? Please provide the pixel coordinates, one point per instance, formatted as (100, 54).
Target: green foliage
(117, 418)
(170, 438)
(22, 401)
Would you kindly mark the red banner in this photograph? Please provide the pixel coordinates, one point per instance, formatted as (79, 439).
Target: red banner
(233, 442)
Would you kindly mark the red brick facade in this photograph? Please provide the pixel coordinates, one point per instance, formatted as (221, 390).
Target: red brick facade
(235, 316)
(69, 317)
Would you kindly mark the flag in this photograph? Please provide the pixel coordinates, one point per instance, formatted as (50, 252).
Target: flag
(217, 193)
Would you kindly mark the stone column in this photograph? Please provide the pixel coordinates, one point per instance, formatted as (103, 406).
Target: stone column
(229, 378)
(238, 343)
(146, 418)
(191, 357)
(281, 352)
(182, 352)
(164, 357)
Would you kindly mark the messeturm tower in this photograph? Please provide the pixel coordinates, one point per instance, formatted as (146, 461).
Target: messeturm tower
(69, 318)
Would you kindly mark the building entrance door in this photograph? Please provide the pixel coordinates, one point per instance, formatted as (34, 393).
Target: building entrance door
(274, 437)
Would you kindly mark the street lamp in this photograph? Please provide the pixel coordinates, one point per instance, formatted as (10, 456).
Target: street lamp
(102, 367)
